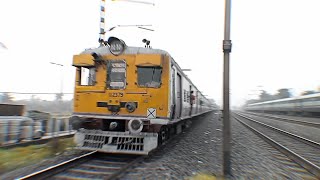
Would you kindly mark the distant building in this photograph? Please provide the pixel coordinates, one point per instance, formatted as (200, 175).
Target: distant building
(11, 110)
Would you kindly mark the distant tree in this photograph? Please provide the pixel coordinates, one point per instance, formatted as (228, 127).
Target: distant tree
(283, 93)
(264, 96)
(308, 92)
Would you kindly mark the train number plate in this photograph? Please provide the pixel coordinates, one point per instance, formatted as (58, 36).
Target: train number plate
(116, 94)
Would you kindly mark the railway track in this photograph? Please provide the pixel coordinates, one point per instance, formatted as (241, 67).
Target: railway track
(92, 165)
(301, 150)
(294, 121)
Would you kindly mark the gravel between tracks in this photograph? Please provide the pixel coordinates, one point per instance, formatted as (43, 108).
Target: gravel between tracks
(196, 150)
(253, 158)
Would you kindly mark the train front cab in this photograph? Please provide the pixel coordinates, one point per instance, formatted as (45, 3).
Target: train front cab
(123, 104)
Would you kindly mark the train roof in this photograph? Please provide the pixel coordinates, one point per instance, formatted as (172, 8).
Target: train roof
(287, 99)
(104, 50)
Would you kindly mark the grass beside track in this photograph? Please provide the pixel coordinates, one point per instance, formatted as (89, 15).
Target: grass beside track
(11, 159)
(203, 176)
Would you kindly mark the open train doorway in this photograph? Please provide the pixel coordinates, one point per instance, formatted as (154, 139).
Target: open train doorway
(179, 95)
(191, 99)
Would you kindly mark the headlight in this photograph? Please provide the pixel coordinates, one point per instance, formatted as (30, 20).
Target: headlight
(130, 106)
(135, 125)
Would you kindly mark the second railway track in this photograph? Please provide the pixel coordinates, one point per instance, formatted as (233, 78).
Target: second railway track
(290, 120)
(301, 150)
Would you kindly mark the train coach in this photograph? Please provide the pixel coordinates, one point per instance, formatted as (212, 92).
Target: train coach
(130, 99)
(306, 105)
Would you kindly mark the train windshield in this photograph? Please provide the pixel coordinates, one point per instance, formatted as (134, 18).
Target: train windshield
(149, 76)
(116, 74)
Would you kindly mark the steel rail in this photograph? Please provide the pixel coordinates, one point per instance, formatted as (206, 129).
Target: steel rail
(299, 138)
(125, 165)
(172, 138)
(56, 169)
(309, 166)
(312, 124)
(118, 174)
(64, 166)
(70, 164)
(52, 170)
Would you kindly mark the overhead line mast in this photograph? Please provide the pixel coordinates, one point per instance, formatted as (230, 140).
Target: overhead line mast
(102, 22)
(227, 46)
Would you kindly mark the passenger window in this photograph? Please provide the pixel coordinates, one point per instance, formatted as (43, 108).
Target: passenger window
(87, 76)
(149, 76)
(184, 95)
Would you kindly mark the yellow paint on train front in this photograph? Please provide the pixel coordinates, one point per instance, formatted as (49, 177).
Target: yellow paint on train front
(86, 97)
(84, 60)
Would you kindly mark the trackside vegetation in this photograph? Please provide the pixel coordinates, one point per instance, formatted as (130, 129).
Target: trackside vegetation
(14, 158)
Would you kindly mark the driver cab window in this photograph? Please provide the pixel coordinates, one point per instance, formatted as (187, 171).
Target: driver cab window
(87, 76)
(149, 76)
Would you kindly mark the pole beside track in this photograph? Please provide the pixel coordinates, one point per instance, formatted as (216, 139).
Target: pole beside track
(227, 45)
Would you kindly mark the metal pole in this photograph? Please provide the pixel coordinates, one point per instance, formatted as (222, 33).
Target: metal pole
(61, 75)
(61, 80)
(102, 22)
(226, 112)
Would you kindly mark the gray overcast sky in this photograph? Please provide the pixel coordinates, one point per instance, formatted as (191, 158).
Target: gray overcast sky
(274, 41)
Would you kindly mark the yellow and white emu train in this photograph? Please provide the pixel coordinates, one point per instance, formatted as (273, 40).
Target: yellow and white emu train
(130, 99)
